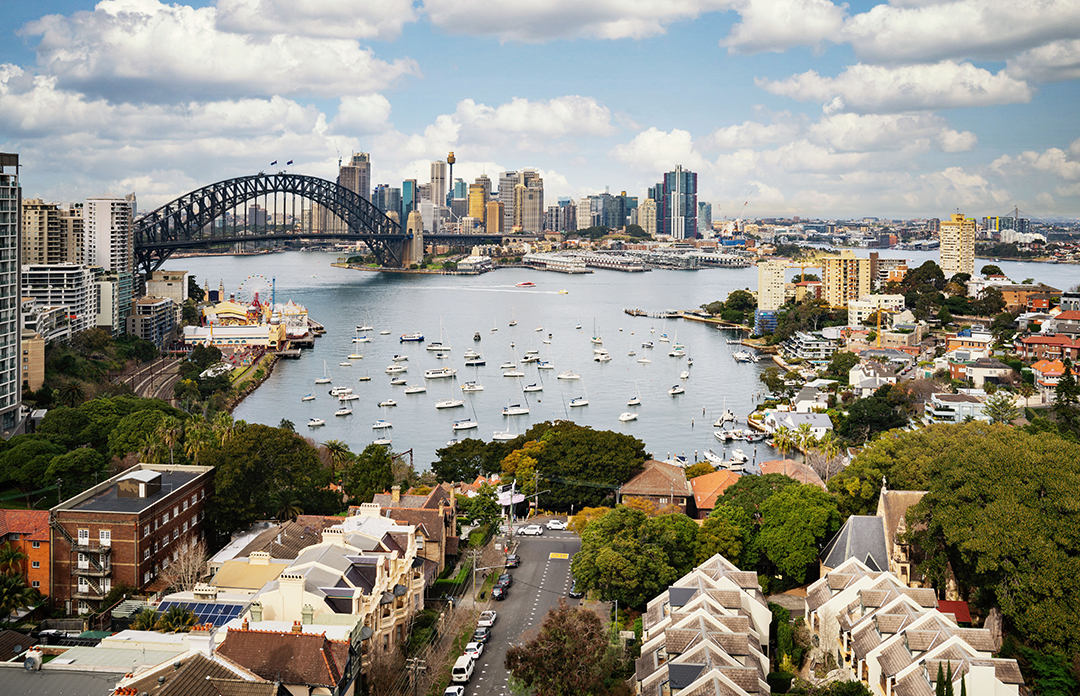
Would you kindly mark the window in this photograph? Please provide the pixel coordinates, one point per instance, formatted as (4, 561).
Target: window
(105, 537)
(84, 537)
(165, 564)
(194, 498)
(165, 518)
(185, 505)
(175, 534)
(146, 530)
(176, 511)
(84, 561)
(146, 554)
(146, 577)
(185, 525)
(36, 544)
(155, 547)
(84, 585)
(35, 584)
(165, 541)
(13, 536)
(35, 564)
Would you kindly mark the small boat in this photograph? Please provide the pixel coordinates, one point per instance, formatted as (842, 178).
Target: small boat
(315, 422)
(356, 356)
(685, 374)
(471, 354)
(309, 397)
(340, 391)
(602, 357)
(452, 441)
(411, 338)
(526, 284)
(627, 417)
(547, 341)
(343, 411)
(568, 375)
(362, 339)
(325, 379)
(578, 326)
(632, 353)
(438, 346)
(663, 338)
(515, 410)
(384, 332)
(734, 342)
(725, 417)
(509, 365)
(381, 424)
(503, 435)
(475, 362)
(539, 328)
(345, 363)
(364, 327)
(677, 389)
(415, 389)
(534, 388)
(513, 322)
(742, 356)
(400, 358)
(388, 402)
(476, 336)
(689, 362)
(634, 401)
(544, 365)
(398, 382)
(677, 353)
(449, 403)
(472, 387)
(395, 369)
(647, 344)
(724, 435)
(644, 360)
(348, 397)
(530, 358)
(652, 330)
(513, 373)
(755, 437)
(364, 378)
(439, 373)
(579, 401)
(564, 292)
(441, 356)
(465, 424)
(385, 441)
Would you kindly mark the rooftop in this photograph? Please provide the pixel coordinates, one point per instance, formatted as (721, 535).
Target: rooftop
(104, 498)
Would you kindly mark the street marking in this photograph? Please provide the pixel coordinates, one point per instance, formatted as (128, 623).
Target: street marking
(559, 556)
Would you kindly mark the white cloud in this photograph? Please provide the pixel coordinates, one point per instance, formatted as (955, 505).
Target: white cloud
(143, 50)
(1053, 161)
(368, 113)
(879, 89)
(1054, 62)
(874, 132)
(655, 150)
(338, 19)
(776, 25)
(553, 118)
(548, 20)
(932, 31)
(752, 134)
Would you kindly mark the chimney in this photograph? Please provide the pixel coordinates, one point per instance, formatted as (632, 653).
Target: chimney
(308, 614)
(291, 586)
(256, 612)
(259, 558)
(244, 625)
(395, 495)
(369, 510)
(201, 639)
(335, 535)
(296, 627)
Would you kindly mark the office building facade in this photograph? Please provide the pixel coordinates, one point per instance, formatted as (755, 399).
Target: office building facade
(66, 285)
(846, 277)
(51, 234)
(356, 175)
(676, 204)
(10, 331)
(110, 245)
(646, 216)
(507, 182)
(410, 198)
(957, 245)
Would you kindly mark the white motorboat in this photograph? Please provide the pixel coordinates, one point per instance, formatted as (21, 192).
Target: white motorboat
(345, 363)
(340, 391)
(362, 339)
(534, 388)
(625, 417)
(415, 389)
(663, 338)
(381, 424)
(309, 397)
(547, 341)
(507, 366)
(685, 374)
(343, 411)
(677, 389)
(360, 328)
(395, 369)
(539, 328)
(647, 344)
(680, 353)
(385, 441)
(475, 362)
(384, 332)
(513, 373)
(440, 373)
(471, 354)
(742, 356)
(398, 382)
(602, 357)
(326, 378)
(348, 397)
(515, 410)
(356, 356)
(465, 424)
(530, 359)
(315, 422)
(449, 403)
(568, 375)
(644, 360)
(387, 403)
(442, 356)
(400, 358)
(544, 365)
(472, 387)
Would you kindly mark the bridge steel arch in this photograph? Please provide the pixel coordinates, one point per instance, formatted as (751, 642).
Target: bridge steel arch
(187, 222)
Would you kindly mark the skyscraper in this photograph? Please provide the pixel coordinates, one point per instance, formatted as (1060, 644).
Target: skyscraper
(957, 245)
(647, 215)
(507, 182)
(110, 244)
(477, 201)
(409, 198)
(704, 219)
(356, 175)
(677, 204)
(10, 237)
(528, 213)
(387, 198)
(438, 182)
(494, 217)
(51, 234)
(846, 277)
(485, 183)
(770, 274)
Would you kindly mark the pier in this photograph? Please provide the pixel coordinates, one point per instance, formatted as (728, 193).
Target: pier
(667, 314)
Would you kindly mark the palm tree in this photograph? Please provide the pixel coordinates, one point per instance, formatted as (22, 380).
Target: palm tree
(198, 439)
(339, 452)
(169, 433)
(804, 436)
(14, 595)
(783, 440)
(145, 620)
(224, 427)
(11, 559)
(290, 509)
(176, 619)
(72, 393)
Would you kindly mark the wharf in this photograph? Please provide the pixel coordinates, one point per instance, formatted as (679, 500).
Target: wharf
(668, 314)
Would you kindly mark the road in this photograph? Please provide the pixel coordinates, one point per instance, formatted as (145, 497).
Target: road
(539, 582)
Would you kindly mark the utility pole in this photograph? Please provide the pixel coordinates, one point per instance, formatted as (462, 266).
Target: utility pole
(416, 664)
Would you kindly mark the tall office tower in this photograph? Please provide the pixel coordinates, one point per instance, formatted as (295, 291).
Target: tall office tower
(677, 207)
(387, 198)
(110, 244)
(409, 198)
(438, 183)
(958, 245)
(567, 216)
(494, 217)
(10, 334)
(485, 183)
(528, 211)
(646, 215)
(704, 219)
(846, 277)
(507, 182)
(770, 284)
(517, 223)
(461, 190)
(477, 202)
(356, 175)
(423, 193)
(51, 234)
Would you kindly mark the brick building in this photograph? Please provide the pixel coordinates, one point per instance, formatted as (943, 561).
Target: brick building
(28, 531)
(125, 530)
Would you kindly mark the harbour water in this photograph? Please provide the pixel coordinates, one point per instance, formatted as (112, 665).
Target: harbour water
(454, 308)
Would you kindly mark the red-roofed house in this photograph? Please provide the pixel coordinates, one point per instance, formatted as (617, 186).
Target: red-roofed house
(1047, 373)
(709, 487)
(1067, 322)
(796, 470)
(1055, 347)
(305, 663)
(661, 484)
(28, 531)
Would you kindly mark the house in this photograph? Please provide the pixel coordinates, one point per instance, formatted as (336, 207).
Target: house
(1067, 323)
(709, 487)
(984, 370)
(661, 484)
(954, 408)
(868, 376)
(1046, 374)
(1023, 296)
(792, 469)
(304, 663)
(435, 517)
(125, 530)
(199, 673)
(708, 633)
(814, 347)
(977, 340)
(810, 399)
(250, 573)
(819, 423)
(861, 537)
(1052, 347)
(904, 558)
(27, 531)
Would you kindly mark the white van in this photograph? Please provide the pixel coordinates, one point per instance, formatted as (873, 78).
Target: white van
(462, 670)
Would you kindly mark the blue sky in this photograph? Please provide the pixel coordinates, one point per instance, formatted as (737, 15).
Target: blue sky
(913, 108)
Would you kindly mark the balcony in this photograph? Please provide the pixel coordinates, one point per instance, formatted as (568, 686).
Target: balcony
(89, 546)
(92, 571)
(88, 592)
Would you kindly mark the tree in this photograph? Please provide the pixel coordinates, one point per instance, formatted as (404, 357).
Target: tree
(145, 620)
(750, 492)
(80, 468)
(484, 507)
(1066, 407)
(582, 519)
(870, 416)
(991, 270)
(26, 460)
(66, 426)
(176, 619)
(72, 393)
(194, 291)
(990, 303)
(944, 316)
(1001, 408)
(187, 569)
(840, 365)
(11, 559)
(699, 469)
(784, 440)
(368, 474)
(726, 532)
(571, 655)
(339, 453)
(794, 523)
(15, 595)
(465, 460)
(133, 432)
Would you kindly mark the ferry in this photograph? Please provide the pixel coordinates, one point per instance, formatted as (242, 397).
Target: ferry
(415, 337)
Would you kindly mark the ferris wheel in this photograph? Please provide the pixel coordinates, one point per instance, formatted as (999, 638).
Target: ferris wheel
(254, 287)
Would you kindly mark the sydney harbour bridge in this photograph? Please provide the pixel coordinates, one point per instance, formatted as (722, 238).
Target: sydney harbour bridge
(197, 220)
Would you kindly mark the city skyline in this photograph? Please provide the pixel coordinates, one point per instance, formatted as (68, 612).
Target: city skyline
(801, 108)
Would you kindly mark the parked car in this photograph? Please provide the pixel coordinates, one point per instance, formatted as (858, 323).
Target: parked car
(474, 650)
(481, 634)
(498, 593)
(574, 591)
(455, 690)
(462, 670)
(505, 580)
(532, 530)
(513, 561)
(556, 524)
(487, 618)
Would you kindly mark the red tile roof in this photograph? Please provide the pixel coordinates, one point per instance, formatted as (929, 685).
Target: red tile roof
(1054, 340)
(31, 524)
(658, 479)
(796, 470)
(293, 658)
(709, 487)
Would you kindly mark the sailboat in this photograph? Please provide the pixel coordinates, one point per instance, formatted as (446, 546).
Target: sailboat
(580, 400)
(596, 340)
(474, 385)
(439, 345)
(627, 416)
(496, 326)
(325, 379)
(309, 397)
(569, 374)
(511, 366)
(503, 435)
(635, 400)
(513, 319)
(466, 423)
